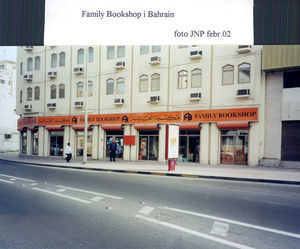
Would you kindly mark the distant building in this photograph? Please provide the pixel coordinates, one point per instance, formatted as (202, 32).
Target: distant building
(214, 93)
(9, 136)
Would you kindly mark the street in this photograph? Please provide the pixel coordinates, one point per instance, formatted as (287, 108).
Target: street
(44, 207)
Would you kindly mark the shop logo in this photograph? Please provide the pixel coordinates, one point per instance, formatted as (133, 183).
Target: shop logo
(74, 120)
(188, 116)
(125, 119)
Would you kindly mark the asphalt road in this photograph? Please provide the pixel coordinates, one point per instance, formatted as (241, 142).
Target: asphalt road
(44, 207)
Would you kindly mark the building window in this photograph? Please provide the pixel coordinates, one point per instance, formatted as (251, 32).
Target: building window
(196, 77)
(61, 91)
(109, 87)
(29, 94)
(144, 49)
(2, 67)
(227, 75)
(62, 59)
(91, 54)
(37, 93)
(21, 96)
(155, 82)
(2, 81)
(156, 49)
(121, 51)
(183, 46)
(244, 73)
(90, 88)
(182, 79)
(80, 89)
(54, 60)
(21, 68)
(37, 64)
(80, 56)
(291, 79)
(110, 52)
(144, 83)
(120, 85)
(29, 64)
(53, 92)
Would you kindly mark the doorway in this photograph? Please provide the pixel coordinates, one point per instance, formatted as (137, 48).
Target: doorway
(56, 143)
(148, 146)
(189, 146)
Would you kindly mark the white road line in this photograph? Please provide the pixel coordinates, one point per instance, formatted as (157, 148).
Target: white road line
(96, 198)
(12, 179)
(146, 210)
(34, 184)
(61, 190)
(90, 192)
(220, 228)
(24, 179)
(193, 232)
(1, 180)
(61, 195)
(236, 222)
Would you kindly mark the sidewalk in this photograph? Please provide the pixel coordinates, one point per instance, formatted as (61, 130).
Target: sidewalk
(223, 172)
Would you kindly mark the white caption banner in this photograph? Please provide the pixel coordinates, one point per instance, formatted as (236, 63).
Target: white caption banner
(133, 22)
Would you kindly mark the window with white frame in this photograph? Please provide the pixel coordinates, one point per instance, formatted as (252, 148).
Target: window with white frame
(53, 60)
(61, 91)
(244, 73)
(156, 49)
(53, 92)
(29, 64)
(196, 78)
(29, 94)
(120, 85)
(227, 75)
(62, 59)
(155, 82)
(37, 93)
(91, 54)
(121, 51)
(37, 63)
(144, 49)
(109, 86)
(182, 79)
(143, 83)
(110, 52)
(80, 89)
(80, 56)
(90, 88)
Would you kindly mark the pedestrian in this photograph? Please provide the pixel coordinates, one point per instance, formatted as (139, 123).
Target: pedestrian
(68, 153)
(196, 153)
(112, 149)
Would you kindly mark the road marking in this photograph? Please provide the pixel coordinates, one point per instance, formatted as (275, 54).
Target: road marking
(90, 192)
(1, 180)
(34, 184)
(12, 179)
(96, 198)
(235, 222)
(220, 228)
(146, 210)
(193, 232)
(24, 179)
(61, 195)
(61, 190)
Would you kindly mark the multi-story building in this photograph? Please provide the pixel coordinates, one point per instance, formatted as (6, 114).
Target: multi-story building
(9, 137)
(215, 94)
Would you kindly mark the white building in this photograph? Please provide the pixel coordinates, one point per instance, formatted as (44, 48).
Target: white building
(215, 94)
(9, 136)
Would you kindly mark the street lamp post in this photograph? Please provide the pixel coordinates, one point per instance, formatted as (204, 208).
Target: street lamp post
(86, 110)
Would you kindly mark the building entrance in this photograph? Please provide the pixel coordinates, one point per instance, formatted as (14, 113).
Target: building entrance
(119, 139)
(80, 143)
(189, 146)
(56, 143)
(148, 145)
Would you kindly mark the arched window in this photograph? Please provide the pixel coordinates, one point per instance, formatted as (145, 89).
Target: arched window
(91, 54)
(29, 64)
(227, 75)
(196, 79)
(61, 91)
(120, 85)
(80, 89)
(109, 87)
(90, 88)
(54, 60)
(53, 92)
(29, 94)
(155, 82)
(182, 79)
(144, 83)
(244, 73)
(62, 59)
(37, 93)
(37, 63)
(80, 56)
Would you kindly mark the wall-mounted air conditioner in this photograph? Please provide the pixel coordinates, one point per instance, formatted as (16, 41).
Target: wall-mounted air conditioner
(154, 99)
(154, 60)
(52, 74)
(28, 107)
(119, 101)
(27, 77)
(28, 48)
(51, 106)
(196, 54)
(243, 93)
(195, 96)
(244, 48)
(78, 104)
(78, 70)
(120, 65)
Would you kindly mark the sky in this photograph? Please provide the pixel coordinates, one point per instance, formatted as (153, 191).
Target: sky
(8, 53)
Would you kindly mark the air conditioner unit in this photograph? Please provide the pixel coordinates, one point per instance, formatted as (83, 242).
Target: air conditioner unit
(196, 54)
(52, 74)
(243, 93)
(195, 96)
(79, 104)
(119, 101)
(28, 48)
(154, 99)
(78, 70)
(51, 105)
(244, 48)
(28, 77)
(154, 60)
(28, 107)
(7, 136)
(120, 65)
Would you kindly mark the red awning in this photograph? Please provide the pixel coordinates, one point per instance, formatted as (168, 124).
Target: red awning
(149, 127)
(80, 127)
(112, 126)
(233, 125)
(20, 129)
(32, 128)
(54, 127)
(189, 126)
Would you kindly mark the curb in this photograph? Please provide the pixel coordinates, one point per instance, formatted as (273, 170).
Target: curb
(163, 174)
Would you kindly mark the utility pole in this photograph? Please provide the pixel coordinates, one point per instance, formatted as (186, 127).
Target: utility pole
(86, 109)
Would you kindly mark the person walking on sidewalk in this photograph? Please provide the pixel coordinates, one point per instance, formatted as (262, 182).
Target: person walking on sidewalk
(112, 149)
(68, 153)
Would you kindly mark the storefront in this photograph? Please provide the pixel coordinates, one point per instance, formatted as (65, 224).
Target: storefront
(34, 141)
(189, 143)
(114, 132)
(80, 143)
(56, 135)
(24, 141)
